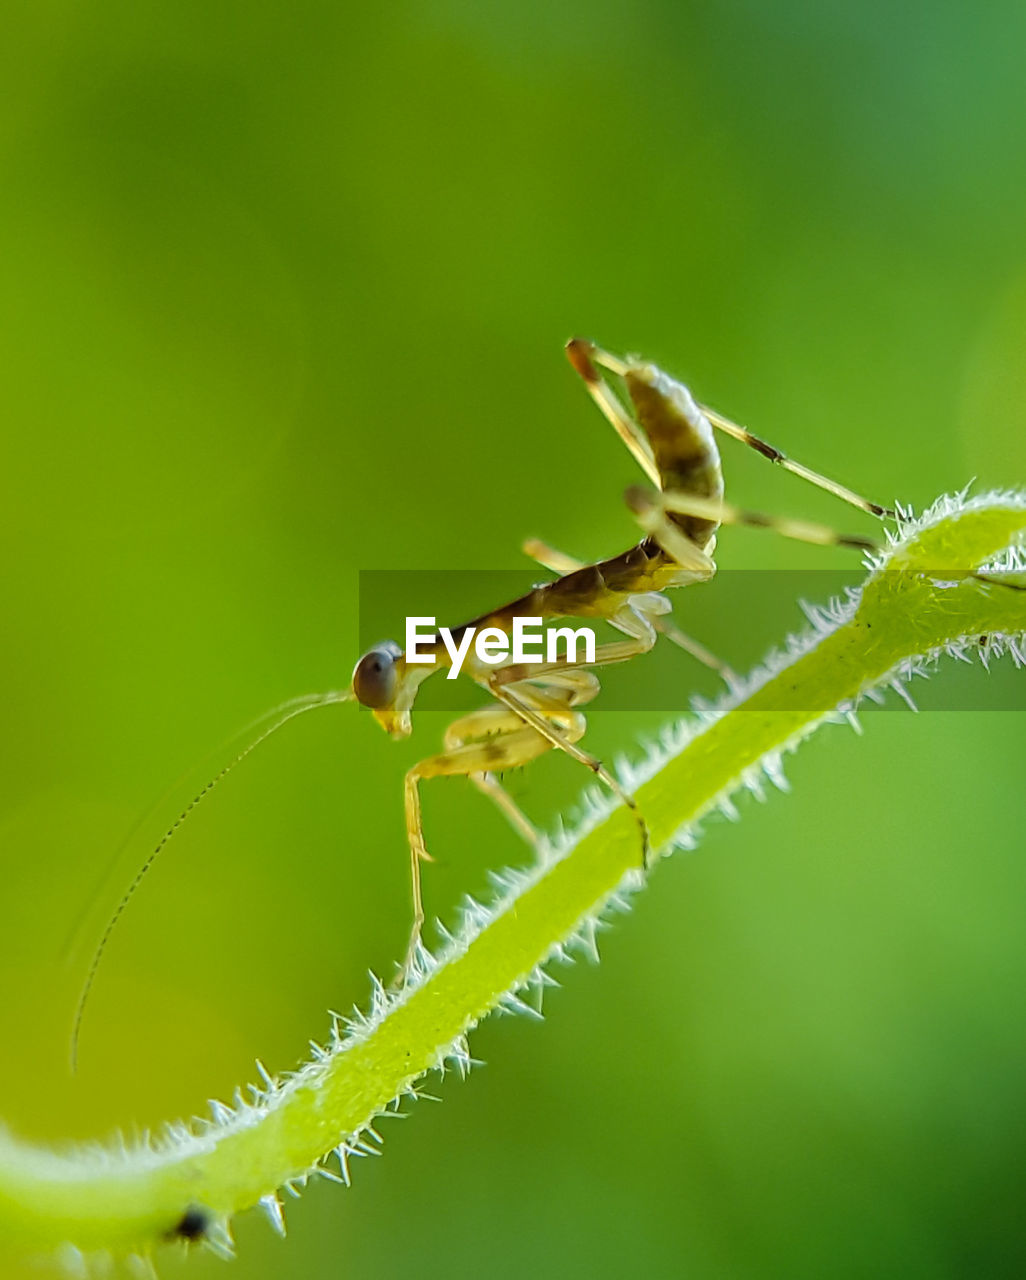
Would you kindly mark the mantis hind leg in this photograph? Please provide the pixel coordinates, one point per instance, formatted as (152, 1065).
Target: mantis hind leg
(652, 511)
(587, 359)
(798, 469)
(545, 707)
(583, 356)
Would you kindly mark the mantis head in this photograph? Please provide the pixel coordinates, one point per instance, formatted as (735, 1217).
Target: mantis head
(381, 681)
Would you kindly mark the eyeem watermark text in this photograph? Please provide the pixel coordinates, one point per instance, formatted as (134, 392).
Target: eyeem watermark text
(526, 641)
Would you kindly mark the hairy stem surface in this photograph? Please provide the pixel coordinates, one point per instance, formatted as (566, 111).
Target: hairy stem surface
(919, 600)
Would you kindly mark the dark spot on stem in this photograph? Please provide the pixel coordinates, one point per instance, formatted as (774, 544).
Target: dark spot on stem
(192, 1225)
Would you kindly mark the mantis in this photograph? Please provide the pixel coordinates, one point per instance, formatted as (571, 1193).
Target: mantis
(537, 708)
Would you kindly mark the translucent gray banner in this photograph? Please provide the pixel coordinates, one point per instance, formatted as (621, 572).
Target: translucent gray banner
(740, 616)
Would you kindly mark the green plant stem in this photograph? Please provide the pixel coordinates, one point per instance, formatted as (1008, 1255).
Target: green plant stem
(912, 606)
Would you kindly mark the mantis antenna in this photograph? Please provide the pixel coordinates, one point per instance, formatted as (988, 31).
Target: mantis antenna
(263, 728)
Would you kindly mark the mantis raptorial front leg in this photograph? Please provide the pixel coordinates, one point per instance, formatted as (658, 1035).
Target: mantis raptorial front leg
(506, 740)
(546, 714)
(486, 723)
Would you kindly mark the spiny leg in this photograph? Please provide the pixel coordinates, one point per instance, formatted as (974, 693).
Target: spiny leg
(485, 723)
(559, 562)
(503, 750)
(544, 713)
(651, 508)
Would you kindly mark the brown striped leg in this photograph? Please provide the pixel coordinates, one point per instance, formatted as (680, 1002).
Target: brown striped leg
(796, 468)
(585, 355)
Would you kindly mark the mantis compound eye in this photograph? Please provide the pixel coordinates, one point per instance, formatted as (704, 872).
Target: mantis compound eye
(374, 680)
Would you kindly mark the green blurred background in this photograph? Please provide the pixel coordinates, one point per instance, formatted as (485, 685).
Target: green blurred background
(284, 292)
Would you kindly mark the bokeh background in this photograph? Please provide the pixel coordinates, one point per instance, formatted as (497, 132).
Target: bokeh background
(284, 292)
